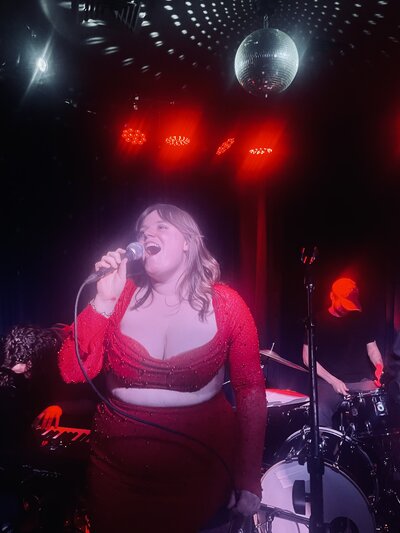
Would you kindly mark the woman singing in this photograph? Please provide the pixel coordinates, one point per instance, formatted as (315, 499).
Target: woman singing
(163, 341)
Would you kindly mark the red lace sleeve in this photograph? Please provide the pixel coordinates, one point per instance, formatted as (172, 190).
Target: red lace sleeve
(249, 387)
(91, 330)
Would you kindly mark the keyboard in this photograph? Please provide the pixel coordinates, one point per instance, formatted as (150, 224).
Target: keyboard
(62, 437)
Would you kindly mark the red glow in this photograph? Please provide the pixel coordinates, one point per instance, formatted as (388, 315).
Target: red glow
(260, 151)
(225, 146)
(177, 140)
(265, 149)
(133, 136)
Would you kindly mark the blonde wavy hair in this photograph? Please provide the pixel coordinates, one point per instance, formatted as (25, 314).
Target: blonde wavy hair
(202, 268)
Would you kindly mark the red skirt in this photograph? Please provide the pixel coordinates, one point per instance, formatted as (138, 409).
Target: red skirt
(144, 479)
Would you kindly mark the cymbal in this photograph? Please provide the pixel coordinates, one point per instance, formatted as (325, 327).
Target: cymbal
(269, 354)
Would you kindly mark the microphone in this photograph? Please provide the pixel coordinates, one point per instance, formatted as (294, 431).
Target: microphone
(134, 251)
(309, 255)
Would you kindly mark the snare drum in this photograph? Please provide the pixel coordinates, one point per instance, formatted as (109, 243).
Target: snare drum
(288, 411)
(349, 484)
(365, 414)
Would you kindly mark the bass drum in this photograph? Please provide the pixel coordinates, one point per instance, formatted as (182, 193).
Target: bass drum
(349, 485)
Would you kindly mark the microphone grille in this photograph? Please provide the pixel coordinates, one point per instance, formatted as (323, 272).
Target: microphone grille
(135, 250)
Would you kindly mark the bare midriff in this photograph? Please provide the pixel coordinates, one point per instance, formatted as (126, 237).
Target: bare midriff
(148, 397)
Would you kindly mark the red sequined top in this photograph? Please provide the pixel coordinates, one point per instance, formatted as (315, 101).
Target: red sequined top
(104, 346)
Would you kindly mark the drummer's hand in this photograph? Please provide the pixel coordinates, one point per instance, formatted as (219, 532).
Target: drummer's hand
(340, 387)
(48, 417)
(378, 375)
(110, 286)
(244, 502)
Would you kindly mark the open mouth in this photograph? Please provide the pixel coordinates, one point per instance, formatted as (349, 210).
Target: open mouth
(152, 249)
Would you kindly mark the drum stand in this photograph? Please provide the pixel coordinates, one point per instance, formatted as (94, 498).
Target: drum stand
(315, 462)
(385, 452)
(275, 512)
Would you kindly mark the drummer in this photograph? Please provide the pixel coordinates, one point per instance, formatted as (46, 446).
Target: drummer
(348, 358)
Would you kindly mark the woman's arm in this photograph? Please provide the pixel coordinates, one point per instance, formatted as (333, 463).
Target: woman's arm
(249, 389)
(93, 321)
(91, 328)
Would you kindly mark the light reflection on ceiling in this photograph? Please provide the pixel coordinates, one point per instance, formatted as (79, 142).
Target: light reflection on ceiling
(193, 32)
(172, 47)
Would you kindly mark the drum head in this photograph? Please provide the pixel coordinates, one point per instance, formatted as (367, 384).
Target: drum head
(341, 498)
(279, 397)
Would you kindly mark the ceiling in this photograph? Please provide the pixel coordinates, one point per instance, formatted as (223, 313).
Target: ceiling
(116, 51)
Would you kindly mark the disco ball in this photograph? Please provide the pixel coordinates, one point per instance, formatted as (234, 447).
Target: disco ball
(266, 62)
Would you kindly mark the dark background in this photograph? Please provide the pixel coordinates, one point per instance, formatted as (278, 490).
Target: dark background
(70, 192)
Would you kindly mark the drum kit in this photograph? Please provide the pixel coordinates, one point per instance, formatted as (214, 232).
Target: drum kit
(361, 456)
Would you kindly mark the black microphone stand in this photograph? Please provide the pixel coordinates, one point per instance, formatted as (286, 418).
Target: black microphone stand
(315, 463)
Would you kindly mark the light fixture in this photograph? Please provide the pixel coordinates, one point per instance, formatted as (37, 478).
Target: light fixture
(260, 150)
(177, 140)
(222, 148)
(133, 136)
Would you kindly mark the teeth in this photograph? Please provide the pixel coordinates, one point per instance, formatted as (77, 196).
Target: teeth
(153, 249)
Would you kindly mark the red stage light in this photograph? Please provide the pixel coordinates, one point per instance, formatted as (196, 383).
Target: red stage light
(225, 146)
(260, 151)
(177, 140)
(133, 136)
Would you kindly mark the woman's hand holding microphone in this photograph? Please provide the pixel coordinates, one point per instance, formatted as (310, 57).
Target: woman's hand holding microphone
(110, 286)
